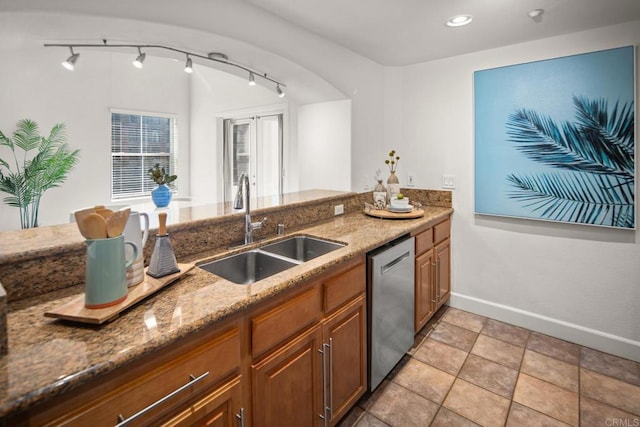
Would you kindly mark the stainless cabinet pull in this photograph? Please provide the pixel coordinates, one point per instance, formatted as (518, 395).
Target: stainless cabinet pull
(438, 279)
(121, 419)
(240, 418)
(435, 285)
(330, 408)
(324, 385)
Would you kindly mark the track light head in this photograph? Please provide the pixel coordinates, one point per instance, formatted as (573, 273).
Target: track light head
(252, 79)
(139, 62)
(70, 62)
(188, 68)
(280, 91)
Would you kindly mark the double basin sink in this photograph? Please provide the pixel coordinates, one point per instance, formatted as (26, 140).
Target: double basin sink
(257, 264)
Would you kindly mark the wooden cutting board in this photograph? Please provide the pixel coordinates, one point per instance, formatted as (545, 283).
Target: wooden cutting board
(385, 214)
(75, 310)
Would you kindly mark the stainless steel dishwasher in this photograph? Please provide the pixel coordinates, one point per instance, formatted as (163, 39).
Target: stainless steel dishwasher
(390, 299)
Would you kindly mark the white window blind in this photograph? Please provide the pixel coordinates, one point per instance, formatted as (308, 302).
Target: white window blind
(138, 142)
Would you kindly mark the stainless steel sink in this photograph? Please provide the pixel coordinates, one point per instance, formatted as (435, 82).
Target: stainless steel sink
(302, 248)
(247, 267)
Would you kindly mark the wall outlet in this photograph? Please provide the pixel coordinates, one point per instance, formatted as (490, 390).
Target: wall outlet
(338, 209)
(366, 183)
(411, 179)
(448, 181)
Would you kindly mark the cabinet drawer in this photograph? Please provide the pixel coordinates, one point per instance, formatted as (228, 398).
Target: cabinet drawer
(424, 241)
(441, 231)
(281, 323)
(219, 357)
(342, 288)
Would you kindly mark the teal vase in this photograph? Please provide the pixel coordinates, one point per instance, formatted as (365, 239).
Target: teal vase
(161, 196)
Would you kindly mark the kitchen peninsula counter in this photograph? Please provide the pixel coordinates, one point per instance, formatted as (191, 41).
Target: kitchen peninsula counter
(48, 357)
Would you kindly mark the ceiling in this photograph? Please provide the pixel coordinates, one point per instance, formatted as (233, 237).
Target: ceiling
(403, 32)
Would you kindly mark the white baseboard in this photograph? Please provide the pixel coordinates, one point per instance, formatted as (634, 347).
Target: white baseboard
(592, 338)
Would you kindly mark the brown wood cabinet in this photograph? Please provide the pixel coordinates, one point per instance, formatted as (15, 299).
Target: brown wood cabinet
(222, 407)
(154, 388)
(287, 385)
(345, 334)
(313, 378)
(297, 359)
(432, 271)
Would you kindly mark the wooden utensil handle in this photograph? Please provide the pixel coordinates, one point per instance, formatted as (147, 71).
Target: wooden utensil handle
(162, 219)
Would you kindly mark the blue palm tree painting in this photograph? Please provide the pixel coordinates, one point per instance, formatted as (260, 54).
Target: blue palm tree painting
(554, 139)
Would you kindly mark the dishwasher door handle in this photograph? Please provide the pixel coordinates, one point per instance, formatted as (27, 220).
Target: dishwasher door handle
(393, 263)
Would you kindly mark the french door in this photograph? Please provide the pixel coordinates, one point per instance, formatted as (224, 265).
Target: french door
(253, 146)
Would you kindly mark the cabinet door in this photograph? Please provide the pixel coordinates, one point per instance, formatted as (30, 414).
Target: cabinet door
(345, 334)
(443, 271)
(425, 304)
(287, 385)
(222, 407)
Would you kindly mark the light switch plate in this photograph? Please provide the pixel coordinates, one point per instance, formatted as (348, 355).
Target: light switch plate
(449, 181)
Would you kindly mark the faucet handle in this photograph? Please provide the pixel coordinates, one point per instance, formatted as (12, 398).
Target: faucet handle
(258, 225)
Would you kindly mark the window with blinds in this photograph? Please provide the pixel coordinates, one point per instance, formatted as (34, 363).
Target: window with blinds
(138, 142)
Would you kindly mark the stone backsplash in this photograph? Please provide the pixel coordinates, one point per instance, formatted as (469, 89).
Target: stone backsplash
(33, 273)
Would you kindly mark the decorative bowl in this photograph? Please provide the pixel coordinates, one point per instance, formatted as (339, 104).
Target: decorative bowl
(400, 203)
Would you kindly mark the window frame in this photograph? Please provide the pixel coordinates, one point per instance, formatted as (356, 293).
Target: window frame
(172, 154)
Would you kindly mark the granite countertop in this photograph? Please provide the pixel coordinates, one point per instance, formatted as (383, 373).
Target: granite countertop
(48, 357)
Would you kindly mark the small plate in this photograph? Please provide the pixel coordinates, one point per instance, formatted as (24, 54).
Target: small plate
(399, 210)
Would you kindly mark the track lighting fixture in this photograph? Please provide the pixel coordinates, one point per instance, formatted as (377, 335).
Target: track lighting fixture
(138, 63)
(70, 62)
(218, 57)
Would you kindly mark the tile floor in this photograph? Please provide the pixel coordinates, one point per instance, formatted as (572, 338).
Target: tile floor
(469, 370)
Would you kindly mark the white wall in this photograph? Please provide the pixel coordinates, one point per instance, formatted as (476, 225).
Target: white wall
(109, 84)
(324, 130)
(36, 86)
(213, 93)
(577, 282)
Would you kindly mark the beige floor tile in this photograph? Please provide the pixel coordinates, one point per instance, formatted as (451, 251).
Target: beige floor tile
(549, 346)
(498, 351)
(368, 420)
(551, 370)
(489, 375)
(397, 406)
(464, 319)
(505, 332)
(520, 416)
(425, 380)
(454, 336)
(610, 390)
(441, 356)
(547, 398)
(447, 418)
(352, 417)
(477, 404)
(594, 413)
(610, 365)
(417, 342)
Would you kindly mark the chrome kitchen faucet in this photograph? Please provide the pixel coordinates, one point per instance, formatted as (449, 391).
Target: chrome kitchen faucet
(238, 203)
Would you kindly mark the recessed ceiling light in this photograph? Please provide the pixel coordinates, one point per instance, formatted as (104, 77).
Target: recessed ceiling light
(459, 20)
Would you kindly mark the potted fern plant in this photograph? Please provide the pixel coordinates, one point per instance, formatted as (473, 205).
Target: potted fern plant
(40, 163)
(161, 195)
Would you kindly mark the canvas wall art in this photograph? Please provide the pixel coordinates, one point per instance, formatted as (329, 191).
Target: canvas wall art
(554, 139)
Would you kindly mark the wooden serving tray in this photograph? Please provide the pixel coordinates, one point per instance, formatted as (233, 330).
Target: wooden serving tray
(75, 310)
(385, 214)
